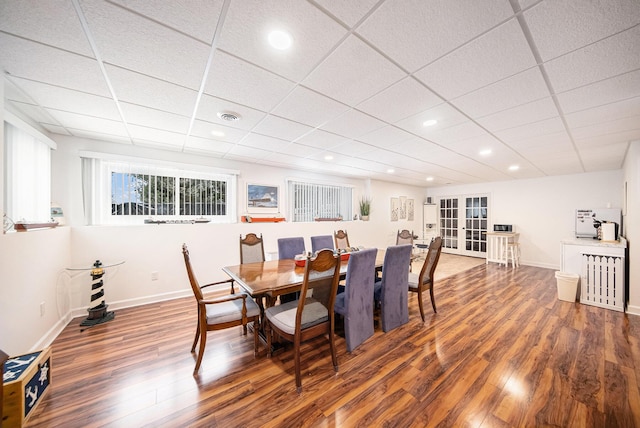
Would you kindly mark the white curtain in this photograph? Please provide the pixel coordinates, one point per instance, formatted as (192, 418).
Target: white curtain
(27, 176)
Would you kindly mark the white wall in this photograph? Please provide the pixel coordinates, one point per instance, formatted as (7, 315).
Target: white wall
(632, 224)
(33, 262)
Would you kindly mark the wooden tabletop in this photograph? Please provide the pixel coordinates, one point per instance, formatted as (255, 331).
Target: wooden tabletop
(277, 277)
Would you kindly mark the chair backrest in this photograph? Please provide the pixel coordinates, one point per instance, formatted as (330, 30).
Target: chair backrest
(251, 249)
(404, 237)
(341, 239)
(322, 271)
(288, 248)
(395, 287)
(320, 242)
(361, 272)
(431, 261)
(195, 286)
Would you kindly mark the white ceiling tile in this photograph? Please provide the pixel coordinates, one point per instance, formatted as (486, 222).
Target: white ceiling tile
(311, 108)
(416, 32)
(350, 12)
(236, 80)
(445, 114)
(403, 99)
(246, 29)
(624, 125)
(244, 152)
(265, 143)
(197, 18)
(596, 158)
(150, 118)
(300, 150)
(352, 148)
(494, 56)
(346, 75)
(455, 133)
(100, 136)
(386, 137)
(508, 93)
(530, 130)
(204, 129)
(29, 60)
(352, 124)
(531, 112)
(151, 48)
(608, 139)
(206, 147)
(562, 26)
(559, 165)
(321, 139)
(34, 112)
(140, 89)
(604, 113)
(88, 123)
(274, 126)
(69, 100)
(608, 58)
(53, 22)
(210, 107)
(599, 93)
(55, 129)
(147, 136)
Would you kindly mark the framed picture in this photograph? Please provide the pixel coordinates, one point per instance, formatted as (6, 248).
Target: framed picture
(410, 209)
(263, 199)
(395, 208)
(403, 207)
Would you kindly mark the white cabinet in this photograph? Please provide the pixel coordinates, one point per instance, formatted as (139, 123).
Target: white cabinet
(429, 221)
(601, 266)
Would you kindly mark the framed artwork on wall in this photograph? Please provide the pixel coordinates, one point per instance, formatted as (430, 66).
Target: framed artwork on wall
(263, 199)
(395, 209)
(410, 209)
(403, 207)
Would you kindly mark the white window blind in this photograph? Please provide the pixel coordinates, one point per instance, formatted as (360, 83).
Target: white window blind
(119, 192)
(311, 201)
(27, 176)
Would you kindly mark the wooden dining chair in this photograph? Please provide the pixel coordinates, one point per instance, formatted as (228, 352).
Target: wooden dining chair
(424, 281)
(251, 249)
(341, 239)
(391, 293)
(404, 237)
(355, 304)
(308, 317)
(220, 312)
(320, 242)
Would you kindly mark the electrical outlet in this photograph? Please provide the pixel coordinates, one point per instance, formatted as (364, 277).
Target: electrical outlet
(42, 309)
(155, 275)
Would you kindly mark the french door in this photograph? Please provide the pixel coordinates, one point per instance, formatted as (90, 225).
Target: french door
(463, 224)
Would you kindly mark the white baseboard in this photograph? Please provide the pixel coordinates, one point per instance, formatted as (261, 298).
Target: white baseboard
(633, 310)
(53, 332)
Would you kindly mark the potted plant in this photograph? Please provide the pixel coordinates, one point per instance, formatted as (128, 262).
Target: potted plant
(365, 208)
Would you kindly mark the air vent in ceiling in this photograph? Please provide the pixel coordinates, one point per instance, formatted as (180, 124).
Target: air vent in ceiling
(229, 116)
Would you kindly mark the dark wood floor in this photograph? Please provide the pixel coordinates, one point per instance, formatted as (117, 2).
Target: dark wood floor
(502, 351)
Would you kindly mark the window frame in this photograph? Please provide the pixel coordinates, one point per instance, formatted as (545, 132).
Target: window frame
(316, 184)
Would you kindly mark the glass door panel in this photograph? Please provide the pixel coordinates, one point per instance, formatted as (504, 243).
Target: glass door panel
(463, 224)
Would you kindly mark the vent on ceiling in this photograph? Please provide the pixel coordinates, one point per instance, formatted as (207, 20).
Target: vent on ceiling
(229, 116)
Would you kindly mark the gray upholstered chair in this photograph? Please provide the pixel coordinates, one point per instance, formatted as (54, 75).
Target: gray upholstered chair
(424, 281)
(220, 312)
(355, 304)
(308, 317)
(392, 291)
(320, 242)
(342, 239)
(289, 248)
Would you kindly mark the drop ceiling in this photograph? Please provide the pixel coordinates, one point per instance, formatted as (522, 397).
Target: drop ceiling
(550, 86)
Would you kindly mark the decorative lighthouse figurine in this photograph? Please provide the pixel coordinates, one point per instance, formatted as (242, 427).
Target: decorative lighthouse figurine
(97, 307)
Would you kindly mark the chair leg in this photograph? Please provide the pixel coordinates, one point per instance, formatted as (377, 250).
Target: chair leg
(296, 358)
(433, 300)
(256, 326)
(332, 346)
(267, 332)
(203, 342)
(420, 303)
(195, 340)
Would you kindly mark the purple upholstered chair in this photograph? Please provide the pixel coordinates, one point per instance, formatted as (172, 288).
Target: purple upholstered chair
(356, 303)
(320, 242)
(392, 291)
(288, 248)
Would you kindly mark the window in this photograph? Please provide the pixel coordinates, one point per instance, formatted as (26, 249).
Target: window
(128, 192)
(27, 192)
(311, 201)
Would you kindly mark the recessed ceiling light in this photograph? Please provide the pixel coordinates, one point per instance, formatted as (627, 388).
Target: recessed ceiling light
(280, 40)
(429, 178)
(485, 152)
(429, 122)
(217, 133)
(229, 116)
(514, 168)
(391, 171)
(328, 157)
